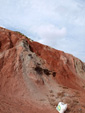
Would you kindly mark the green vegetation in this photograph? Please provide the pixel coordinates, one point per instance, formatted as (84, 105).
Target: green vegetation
(23, 35)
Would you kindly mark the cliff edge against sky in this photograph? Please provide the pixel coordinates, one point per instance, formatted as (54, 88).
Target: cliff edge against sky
(35, 77)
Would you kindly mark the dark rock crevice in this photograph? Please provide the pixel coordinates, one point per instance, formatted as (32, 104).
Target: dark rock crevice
(31, 48)
(1, 63)
(42, 71)
(0, 44)
(11, 43)
(27, 45)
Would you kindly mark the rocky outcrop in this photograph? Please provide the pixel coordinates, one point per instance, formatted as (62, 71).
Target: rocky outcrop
(35, 77)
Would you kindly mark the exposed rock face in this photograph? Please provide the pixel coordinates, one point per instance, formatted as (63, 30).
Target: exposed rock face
(35, 77)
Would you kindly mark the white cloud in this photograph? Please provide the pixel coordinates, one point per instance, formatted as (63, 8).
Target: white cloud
(58, 23)
(49, 34)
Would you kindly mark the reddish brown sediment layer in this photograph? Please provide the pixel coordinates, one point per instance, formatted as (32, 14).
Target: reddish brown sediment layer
(35, 77)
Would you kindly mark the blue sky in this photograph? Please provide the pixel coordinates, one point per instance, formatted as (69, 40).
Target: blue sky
(57, 23)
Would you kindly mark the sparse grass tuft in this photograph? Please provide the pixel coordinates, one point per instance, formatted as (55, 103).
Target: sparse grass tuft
(23, 35)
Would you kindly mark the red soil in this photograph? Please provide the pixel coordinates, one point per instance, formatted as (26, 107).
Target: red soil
(35, 77)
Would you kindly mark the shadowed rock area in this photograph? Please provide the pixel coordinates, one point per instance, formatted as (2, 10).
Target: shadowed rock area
(35, 77)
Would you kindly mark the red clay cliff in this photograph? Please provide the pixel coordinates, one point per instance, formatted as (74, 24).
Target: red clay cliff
(35, 77)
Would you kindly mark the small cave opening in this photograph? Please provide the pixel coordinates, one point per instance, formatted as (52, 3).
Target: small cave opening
(54, 74)
(30, 55)
(46, 71)
(39, 70)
